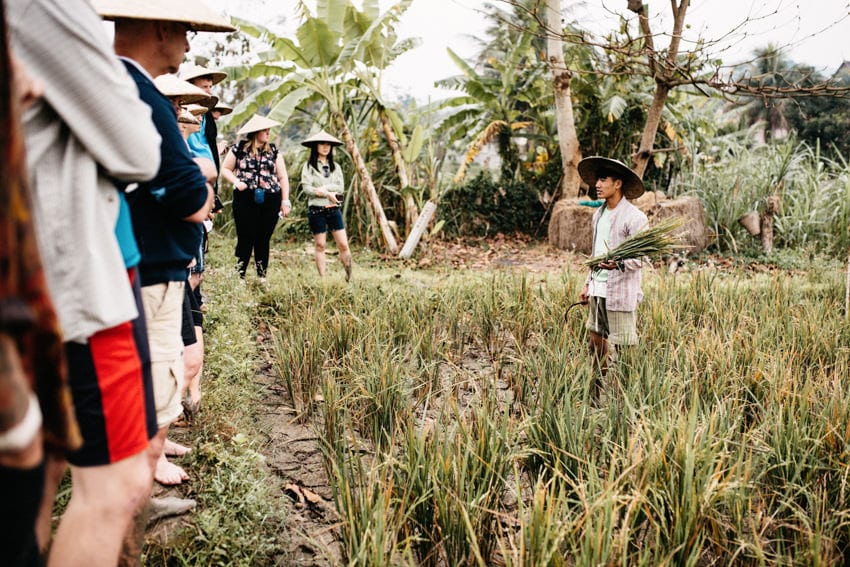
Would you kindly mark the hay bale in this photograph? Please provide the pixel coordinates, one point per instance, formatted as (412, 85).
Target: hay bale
(570, 226)
(694, 233)
(649, 200)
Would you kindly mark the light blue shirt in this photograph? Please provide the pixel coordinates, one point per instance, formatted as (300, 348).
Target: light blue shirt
(124, 234)
(197, 141)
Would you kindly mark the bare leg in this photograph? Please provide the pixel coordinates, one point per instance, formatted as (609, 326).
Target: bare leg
(165, 472)
(599, 351)
(319, 243)
(103, 502)
(193, 364)
(341, 240)
(193, 373)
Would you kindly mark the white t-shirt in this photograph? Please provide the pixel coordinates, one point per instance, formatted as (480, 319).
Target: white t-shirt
(599, 278)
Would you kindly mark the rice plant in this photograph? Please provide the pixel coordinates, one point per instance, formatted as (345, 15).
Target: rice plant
(463, 421)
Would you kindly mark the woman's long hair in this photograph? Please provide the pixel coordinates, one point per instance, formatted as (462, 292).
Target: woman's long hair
(253, 147)
(313, 160)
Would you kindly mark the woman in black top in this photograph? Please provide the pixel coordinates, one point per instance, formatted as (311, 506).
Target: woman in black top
(256, 169)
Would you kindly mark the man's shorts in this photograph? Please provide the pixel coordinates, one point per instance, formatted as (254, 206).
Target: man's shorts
(164, 315)
(619, 327)
(112, 390)
(324, 219)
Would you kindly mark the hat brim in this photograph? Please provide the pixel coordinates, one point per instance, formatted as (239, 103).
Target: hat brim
(185, 92)
(196, 14)
(215, 76)
(632, 184)
(317, 142)
(257, 124)
(321, 138)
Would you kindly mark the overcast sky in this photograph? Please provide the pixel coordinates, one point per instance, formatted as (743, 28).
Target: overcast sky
(816, 32)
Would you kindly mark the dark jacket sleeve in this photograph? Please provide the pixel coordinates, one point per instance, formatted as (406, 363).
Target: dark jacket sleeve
(179, 187)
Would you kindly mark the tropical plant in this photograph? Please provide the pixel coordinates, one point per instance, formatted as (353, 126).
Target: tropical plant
(506, 91)
(332, 53)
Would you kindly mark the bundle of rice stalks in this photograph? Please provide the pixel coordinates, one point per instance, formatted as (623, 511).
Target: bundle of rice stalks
(652, 242)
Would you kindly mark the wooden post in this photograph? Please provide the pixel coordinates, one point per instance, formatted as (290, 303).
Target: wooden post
(771, 208)
(418, 229)
(847, 290)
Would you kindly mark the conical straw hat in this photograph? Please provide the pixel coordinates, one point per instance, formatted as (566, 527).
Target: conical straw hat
(171, 86)
(321, 137)
(186, 117)
(589, 166)
(192, 12)
(223, 108)
(196, 109)
(257, 123)
(189, 72)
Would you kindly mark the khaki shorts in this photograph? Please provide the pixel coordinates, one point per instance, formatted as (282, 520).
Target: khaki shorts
(619, 327)
(164, 315)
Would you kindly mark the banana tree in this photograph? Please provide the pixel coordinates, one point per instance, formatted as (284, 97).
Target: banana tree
(380, 54)
(321, 64)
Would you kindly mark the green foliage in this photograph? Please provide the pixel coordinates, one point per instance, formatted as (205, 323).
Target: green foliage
(484, 207)
(815, 194)
(239, 514)
(510, 83)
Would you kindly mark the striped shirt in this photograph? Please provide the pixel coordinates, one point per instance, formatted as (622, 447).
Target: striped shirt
(623, 287)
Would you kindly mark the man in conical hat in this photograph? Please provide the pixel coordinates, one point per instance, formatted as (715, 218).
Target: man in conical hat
(203, 143)
(152, 37)
(612, 291)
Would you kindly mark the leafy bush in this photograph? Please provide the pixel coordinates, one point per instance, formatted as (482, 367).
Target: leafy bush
(814, 191)
(484, 207)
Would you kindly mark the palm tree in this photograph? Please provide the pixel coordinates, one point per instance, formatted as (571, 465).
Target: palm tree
(561, 84)
(507, 90)
(769, 69)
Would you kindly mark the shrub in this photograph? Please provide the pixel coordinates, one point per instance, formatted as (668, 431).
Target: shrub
(484, 207)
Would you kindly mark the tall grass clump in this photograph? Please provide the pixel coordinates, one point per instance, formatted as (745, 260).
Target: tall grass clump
(463, 421)
(814, 191)
(539, 536)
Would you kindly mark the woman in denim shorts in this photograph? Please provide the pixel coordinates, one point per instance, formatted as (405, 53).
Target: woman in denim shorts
(323, 183)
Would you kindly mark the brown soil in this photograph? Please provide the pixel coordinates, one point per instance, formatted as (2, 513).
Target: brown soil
(498, 252)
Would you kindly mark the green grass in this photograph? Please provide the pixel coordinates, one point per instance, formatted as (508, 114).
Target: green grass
(459, 424)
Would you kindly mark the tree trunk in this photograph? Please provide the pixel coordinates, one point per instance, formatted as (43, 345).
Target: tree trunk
(561, 78)
(418, 229)
(375, 206)
(650, 128)
(663, 71)
(410, 209)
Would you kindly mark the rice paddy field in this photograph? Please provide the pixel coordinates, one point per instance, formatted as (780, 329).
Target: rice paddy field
(456, 419)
